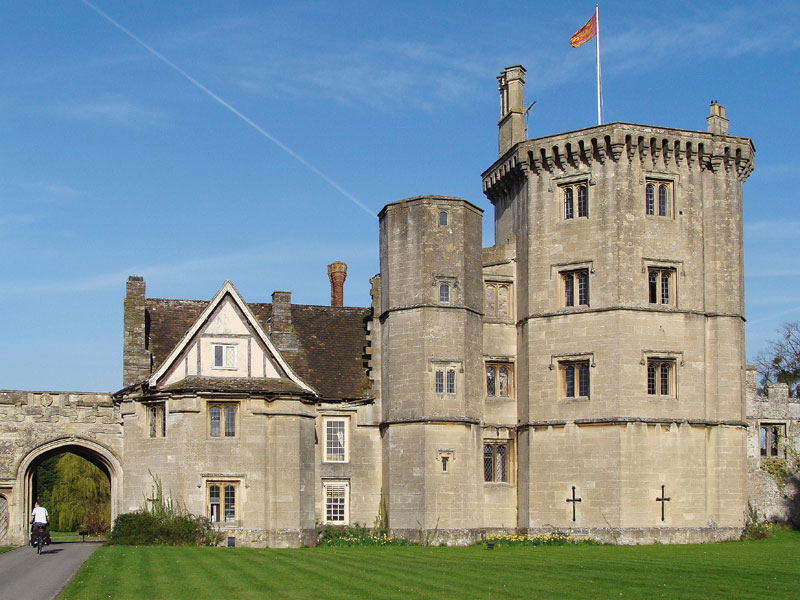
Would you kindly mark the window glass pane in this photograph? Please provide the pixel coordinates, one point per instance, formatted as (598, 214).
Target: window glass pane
(651, 378)
(569, 293)
(502, 301)
(335, 440)
(451, 381)
(230, 356)
(583, 379)
(569, 381)
(335, 503)
(653, 286)
(763, 437)
(164, 421)
(215, 418)
(230, 503)
(582, 204)
(665, 379)
(490, 377)
(568, 203)
(440, 382)
(583, 288)
(664, 287)
(491, 300)
(500, 462)
(218, 356)
(650, 199)
(504, 382)
(488, 463)
(153, 424)
(213, 503)
(442, 218)
(444, 293)
(230, 421)
(662, 201)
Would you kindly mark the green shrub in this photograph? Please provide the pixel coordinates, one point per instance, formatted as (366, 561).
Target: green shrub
(164, 523)
(755, 528)
(357, 535)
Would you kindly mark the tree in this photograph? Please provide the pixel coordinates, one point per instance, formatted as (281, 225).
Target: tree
(81, 495)
(779, 362)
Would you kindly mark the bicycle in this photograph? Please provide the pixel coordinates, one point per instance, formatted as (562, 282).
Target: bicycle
(39, 540)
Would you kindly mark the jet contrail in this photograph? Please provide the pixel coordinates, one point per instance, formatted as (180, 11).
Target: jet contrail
(221, 101)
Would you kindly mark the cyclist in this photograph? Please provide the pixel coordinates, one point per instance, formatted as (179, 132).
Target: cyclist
(39, 520)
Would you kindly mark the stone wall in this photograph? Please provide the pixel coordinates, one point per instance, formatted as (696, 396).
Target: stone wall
(772, 499)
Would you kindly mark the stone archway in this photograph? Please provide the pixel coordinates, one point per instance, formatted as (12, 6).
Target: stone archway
(98, 454)
(3, 520)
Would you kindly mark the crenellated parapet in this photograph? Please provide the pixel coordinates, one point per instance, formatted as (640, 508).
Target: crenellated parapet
(649, 148)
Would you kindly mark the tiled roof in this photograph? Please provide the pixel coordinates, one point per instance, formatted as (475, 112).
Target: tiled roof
(236, 384)
(331, 349)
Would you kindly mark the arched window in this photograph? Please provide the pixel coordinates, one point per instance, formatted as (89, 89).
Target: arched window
(502, 301)
(568, 203)
(490, 381)
(230, 503)
(215, 414)
(230, 421)
(442, 218)
(213, 503)
(650, 199)
(503, 380)
(662, 201)
(583, 205)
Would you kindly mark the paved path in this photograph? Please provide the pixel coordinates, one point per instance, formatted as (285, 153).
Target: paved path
(24, 575)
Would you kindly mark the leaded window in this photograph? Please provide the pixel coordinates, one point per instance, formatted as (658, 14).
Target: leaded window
(576, 287)
(660, 286)
(222, 420)
(575, 379)
(439, 383)
(573, 208)
(451, 381)
(495, 462)
(661, 377)
(498, 380)
(157, 420)
(224, 356)
(222, 502)
(444, 293)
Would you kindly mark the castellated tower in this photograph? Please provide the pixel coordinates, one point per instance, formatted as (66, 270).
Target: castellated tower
(630, 330)
(431, 390)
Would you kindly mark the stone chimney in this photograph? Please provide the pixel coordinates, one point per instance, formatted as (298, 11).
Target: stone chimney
(717, 123)
(135, 356)
(511, 84)
(282, 331)
(337, 273)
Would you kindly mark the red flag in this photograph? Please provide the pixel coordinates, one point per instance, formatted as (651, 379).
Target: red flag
(585, 33)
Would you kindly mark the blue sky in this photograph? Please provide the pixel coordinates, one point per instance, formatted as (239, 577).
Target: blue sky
(114, 162)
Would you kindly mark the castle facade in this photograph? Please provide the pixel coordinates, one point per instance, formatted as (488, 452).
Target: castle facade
(586, 373)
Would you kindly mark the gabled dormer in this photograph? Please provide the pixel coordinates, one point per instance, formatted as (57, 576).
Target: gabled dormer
(226, 347)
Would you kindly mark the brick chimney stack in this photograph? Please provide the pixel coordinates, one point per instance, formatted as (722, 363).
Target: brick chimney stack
(337, 273)
(717, 123)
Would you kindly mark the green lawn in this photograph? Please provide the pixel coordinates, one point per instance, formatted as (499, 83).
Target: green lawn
(762, 569)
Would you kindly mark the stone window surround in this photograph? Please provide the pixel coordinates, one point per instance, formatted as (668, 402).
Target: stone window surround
(497, 363)
(443, 366)
(222, 482)
(494, 444)
(223, 419)
(558, 362)
(672, 357)
(336, 485)
(326, 418)
(764, 442)
(451, 282)
(446, 457)
(572, 181)
(156, 413)
(658, 179)
(675, 268)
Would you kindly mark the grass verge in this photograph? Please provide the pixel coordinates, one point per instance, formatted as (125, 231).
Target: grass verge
(751, 569)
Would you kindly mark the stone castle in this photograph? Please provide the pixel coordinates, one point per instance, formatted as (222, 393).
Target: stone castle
(586, 373)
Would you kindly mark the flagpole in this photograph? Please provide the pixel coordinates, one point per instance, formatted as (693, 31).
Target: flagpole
(599, 84)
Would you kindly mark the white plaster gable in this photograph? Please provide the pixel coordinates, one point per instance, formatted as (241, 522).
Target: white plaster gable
(226, 326)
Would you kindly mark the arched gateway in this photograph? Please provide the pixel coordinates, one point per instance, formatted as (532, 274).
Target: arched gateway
(35, 426)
